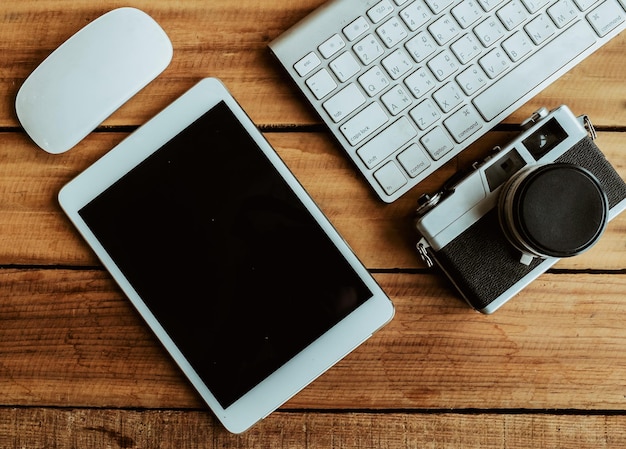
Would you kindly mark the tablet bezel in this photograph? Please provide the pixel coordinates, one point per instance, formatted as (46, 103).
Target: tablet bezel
(307, 365)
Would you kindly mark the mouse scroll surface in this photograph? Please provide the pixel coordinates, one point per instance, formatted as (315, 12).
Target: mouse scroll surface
(90, 76)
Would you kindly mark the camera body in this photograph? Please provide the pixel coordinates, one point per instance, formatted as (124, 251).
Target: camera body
(547, 194)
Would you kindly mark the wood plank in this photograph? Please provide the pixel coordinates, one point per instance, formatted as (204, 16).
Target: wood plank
(165, 429)
(36, 232)
(228, 39)
(70, 338)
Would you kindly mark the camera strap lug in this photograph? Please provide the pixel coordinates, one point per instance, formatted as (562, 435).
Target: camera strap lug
(422, 248)
(585, 121)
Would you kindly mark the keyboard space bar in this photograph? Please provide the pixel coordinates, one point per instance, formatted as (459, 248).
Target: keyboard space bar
(537, 68)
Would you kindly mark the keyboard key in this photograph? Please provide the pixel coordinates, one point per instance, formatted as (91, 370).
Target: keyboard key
(563, 12)
(397, 64)
(392, 32)
(374, 81)
(437, 143)
(467, 12)
(545, 62)
(517, 46)
(307, 64)
(380, 11)
(513, 14)
(414, 160)
(535, 5)
(606, 17)
(444, 29)
(321, 84)
(368, 49)
(420, 82)
(345, 66)
(488, 5)
(540, 29)
(357, 28)
(472, 79)
(448, 97)
(583, 5)
(396, 100)
(463, 123)
(489, 32)
(425, 114)
(387, 142)
(415, 15)
(466, 48)
(390, 178)
(344, 103)
(331, 46)
(364, 124)
(494, 63)
(436, 6)
(421, 46)
(443, 65)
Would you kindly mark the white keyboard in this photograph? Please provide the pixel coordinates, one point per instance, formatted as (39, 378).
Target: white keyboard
(405, 85)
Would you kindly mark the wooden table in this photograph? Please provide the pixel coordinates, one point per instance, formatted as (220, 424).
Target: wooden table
(79, 369)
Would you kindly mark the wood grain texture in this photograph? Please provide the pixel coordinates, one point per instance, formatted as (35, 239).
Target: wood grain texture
(70, 338)
(79, 368)
(35, 232)
(166, 429)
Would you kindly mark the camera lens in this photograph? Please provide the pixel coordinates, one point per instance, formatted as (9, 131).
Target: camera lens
(555, 210)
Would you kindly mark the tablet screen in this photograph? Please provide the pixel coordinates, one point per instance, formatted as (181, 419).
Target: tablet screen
(224, 254)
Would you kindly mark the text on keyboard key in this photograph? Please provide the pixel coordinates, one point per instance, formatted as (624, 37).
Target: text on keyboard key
(563, 12)
(396, 100)
(420, 82)
(356, 28)
(345, 66)
(463, 123)
(397, 63)
(392, 32)
(344, 103)
(321, 84)
(331, 46)
(380, 11)
(421, 46)
(467, 13)
(388, 141)
(368, 49)
(415, 15)
(438, 5)
(448, 97)
(425, 114)
(606, 17)
(437, 143)
(390, 177)
(364, 124)
(307, 64)
(414, 160)
(373, 81)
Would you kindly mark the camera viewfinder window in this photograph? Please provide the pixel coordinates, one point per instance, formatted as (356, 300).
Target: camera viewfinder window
(545, 139)
(499, 172)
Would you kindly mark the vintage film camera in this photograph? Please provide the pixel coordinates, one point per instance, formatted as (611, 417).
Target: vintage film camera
(546, 195)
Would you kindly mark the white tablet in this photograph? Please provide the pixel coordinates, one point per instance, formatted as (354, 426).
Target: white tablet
(229, 261)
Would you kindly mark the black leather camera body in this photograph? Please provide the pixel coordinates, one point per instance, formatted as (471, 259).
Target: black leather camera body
(547, 194)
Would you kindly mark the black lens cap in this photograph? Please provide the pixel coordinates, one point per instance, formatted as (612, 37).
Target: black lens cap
(560, 210)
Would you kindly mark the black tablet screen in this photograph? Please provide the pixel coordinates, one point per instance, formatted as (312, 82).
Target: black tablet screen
(224, 254)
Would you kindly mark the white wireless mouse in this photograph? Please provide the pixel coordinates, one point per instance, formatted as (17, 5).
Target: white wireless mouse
(90, 76)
